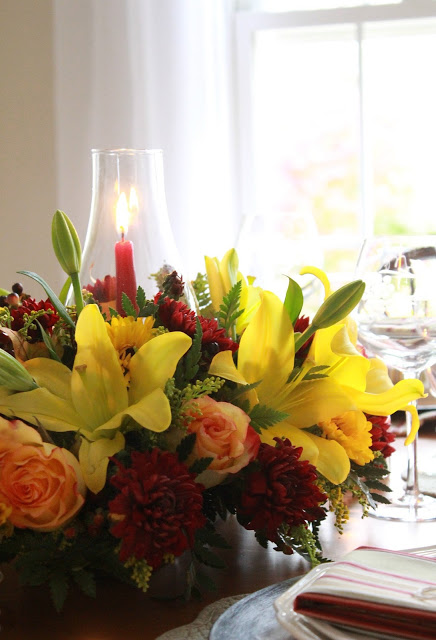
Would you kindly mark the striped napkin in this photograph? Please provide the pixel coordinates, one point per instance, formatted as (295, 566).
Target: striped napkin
(375, 590)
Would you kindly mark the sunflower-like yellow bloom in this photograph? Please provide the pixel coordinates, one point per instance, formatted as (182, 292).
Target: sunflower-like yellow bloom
(127, 336)
(92, 399)
(353, 432)
(352, 383)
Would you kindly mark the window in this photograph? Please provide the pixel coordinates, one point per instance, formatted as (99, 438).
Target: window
(338, 129)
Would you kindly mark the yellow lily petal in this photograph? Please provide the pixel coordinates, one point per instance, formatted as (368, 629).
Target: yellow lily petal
(313, 401)
(97, 386)
(216, 287)
(229, 269)
(297, 437)
(389, 401)
(332, 347)
(223, 366)
(155, 362)
(333, 462)
(52, 375)
(94, 459)
(249, 302)
(377, 379)
(266, 350)
(152, 412)
(415, 423)
(41, 406)
(318, 273)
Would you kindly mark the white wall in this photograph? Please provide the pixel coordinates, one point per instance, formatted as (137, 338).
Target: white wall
(27, 143)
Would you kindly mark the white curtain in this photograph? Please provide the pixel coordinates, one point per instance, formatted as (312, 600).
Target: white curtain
(151, 74)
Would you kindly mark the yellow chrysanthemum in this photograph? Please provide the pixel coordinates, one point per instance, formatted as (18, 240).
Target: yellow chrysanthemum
(5, 512)
(353, 431)
(127, 336)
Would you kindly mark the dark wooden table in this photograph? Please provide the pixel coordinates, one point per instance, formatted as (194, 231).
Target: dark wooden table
(123, 613)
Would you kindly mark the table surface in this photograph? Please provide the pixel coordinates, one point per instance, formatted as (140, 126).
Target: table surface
(124, 613)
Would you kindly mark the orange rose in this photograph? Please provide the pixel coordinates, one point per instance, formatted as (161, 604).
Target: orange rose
(40, 483)
(224, 434)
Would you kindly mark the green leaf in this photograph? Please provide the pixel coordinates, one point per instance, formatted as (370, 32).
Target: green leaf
(128, 305)
(140, 298)
(65, 290)
(186, 446)
(261, 538)
(52, 296)
(315, 373)
(373, 483)
(58, 589)
(200, 465)
(363, 487)
(86, 581)
(241, 389)
(262, 417)
(113, 313)
(293, 300)
(229, 309)
(193, 356)
(209, 536)
(48, 343)
(207, 557)
(205, 582)
(377, 497)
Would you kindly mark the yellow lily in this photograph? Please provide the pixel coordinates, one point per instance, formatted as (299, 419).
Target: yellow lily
(266, 353)
(222, 275)
(92, 399)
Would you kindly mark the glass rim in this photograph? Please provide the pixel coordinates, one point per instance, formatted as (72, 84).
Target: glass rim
(127, 151)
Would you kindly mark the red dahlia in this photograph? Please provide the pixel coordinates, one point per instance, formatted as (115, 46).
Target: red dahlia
(160, 504)
(282, 491)
(46, 320)
(176, 316)
(381, 434)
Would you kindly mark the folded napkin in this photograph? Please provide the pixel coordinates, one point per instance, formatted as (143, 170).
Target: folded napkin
(375, 590)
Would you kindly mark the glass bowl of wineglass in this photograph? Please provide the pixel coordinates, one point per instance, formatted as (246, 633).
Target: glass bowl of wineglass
(397, 321)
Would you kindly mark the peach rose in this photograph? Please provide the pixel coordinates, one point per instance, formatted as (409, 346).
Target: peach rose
(40, 483)
(224, 434)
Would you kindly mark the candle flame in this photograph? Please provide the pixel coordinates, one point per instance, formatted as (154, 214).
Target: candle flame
(122, 214)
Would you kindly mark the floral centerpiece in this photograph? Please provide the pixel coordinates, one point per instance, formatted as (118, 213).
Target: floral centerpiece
(126, 437)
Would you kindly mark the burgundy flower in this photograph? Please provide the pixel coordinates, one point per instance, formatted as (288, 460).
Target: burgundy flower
(176, 316)
(300, 326)
(160, 505)
(282, 491)
(46, 320)
(381, 434)
(103, 290)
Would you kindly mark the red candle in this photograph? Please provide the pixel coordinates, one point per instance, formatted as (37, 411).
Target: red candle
(125, 270)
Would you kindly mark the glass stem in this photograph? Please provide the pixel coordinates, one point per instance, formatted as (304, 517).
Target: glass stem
(412, 485)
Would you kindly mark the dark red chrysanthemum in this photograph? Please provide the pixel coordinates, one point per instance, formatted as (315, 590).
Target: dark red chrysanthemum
(176, 316)
(103, 290)
(301, 325)
(282, 491)
(381, 434)
(160, 504)
(46, 320)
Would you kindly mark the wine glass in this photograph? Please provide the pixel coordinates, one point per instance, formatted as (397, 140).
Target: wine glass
(397, 321)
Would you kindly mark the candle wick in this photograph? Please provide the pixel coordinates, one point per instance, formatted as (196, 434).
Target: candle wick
(122, 234)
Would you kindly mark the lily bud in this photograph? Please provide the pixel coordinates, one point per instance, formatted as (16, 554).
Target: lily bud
(221, 276)
(13, 375)
(338, 305)
(66, 243)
